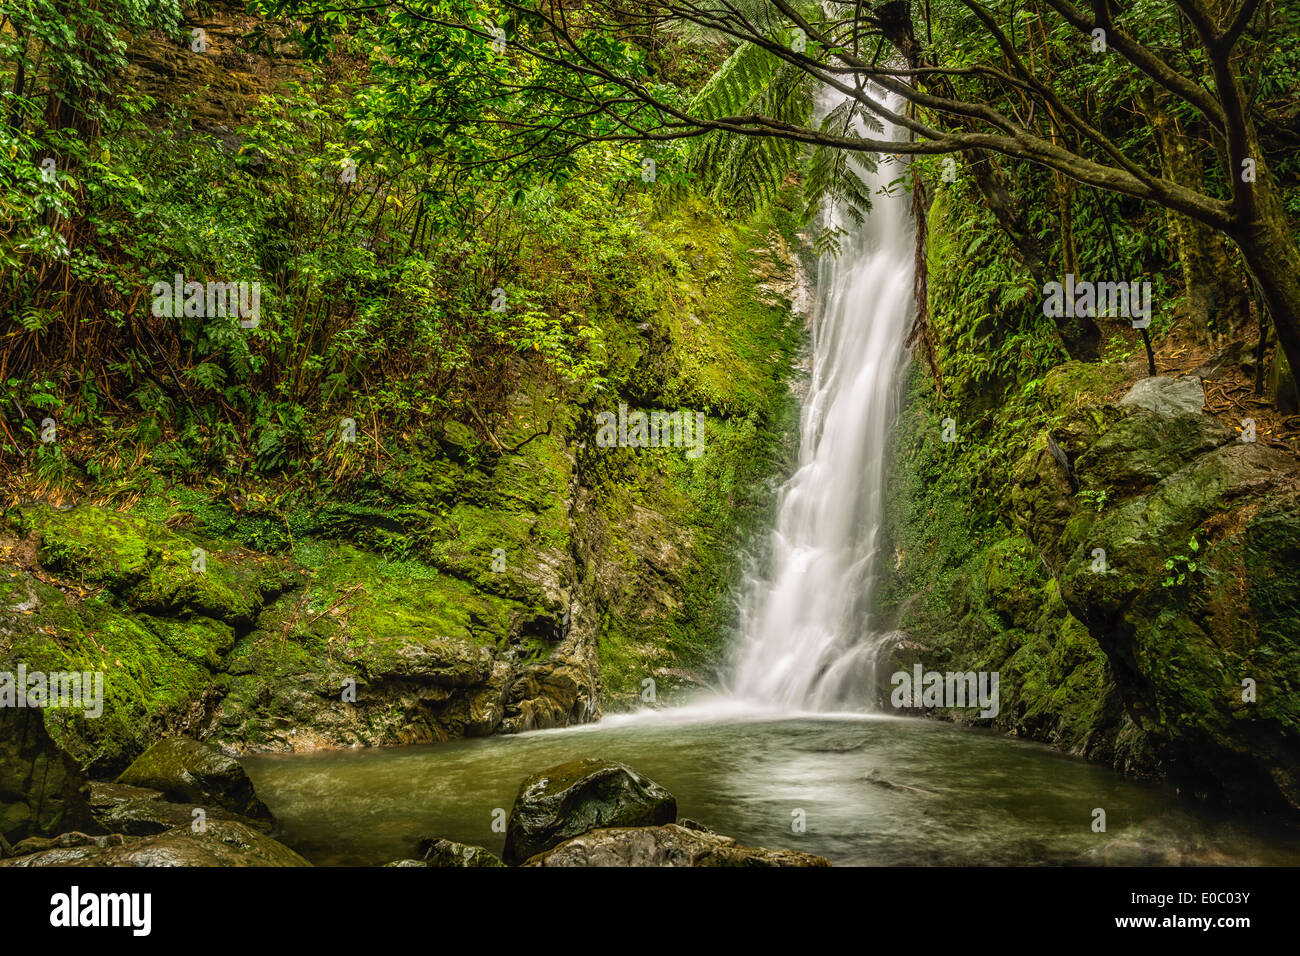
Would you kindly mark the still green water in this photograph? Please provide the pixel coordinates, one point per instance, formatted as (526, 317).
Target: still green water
(952, 796)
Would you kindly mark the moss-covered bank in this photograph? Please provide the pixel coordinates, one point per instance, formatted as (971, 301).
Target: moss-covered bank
(1125, 561)
(469, 586)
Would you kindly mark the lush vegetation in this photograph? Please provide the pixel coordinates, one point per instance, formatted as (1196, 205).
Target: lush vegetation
(474, 226)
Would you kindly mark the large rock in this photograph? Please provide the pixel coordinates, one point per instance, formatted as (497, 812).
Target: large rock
(137, 811)
(161, 630)
(196, 773)
(586, 794)
(670, 845)
(1181, 556)
(36, 844)
(222, 843)
(1167, 396)
(42, 790)
(444, 853)
(1144, 447)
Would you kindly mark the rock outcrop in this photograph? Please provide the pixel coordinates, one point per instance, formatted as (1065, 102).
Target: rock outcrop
(448, 853)
(669, 845)
(188, 770)
(1188, 578)
(219, 843)
(1143, 609)
(42, 790)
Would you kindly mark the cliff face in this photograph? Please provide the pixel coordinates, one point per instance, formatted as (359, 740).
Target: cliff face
(1122, 557)
(485, 565)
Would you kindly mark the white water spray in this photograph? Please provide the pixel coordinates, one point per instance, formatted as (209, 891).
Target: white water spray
(806, 642)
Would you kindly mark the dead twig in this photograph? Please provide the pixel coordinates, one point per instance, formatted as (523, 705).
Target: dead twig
(351, 591)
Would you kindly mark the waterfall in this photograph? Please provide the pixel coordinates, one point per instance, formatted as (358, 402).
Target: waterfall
(805, 637)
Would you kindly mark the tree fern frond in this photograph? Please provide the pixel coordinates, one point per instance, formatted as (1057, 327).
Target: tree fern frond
(762, 15)
(834, 175)
(748, 170)
(739, 81)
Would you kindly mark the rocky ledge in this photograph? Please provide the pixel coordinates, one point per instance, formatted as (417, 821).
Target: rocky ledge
(220, 822)
(1176, 542)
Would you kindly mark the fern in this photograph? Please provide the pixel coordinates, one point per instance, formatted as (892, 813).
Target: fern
(747, 171)
(834, 175)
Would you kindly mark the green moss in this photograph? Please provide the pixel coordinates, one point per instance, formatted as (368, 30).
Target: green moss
(150, 567)
(462, 545)
(153, 669)
(671, 529)
(974, 594)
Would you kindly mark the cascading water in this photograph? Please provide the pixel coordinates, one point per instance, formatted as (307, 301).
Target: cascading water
(806, 641)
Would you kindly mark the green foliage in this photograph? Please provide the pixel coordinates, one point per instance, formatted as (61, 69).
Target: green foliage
(747, 171)
(1181, 568)
(1096, 497)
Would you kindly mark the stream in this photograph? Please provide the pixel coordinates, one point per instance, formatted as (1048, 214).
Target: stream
(874, 790)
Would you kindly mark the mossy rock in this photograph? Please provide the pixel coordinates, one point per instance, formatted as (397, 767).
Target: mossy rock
(157, 672)
(447, 853)
(149, 567)
(42, 790)
(1183, 639)
(670, 845)
(1144, 447)
(219, 843)
(197, 773)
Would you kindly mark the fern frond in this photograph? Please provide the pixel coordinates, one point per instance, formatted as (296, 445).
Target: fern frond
(834, 174)
(748, 170)
(760, 14)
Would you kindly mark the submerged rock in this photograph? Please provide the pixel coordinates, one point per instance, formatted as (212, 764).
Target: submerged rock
(222, 843)
(581, 795)
(669, 845)
(196, 773)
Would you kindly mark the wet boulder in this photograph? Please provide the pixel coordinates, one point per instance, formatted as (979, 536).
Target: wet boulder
(586, 794)
(137, 811)
(1167, 396)
(435, 852)
(1178, 555)
(447, 853)
(197, 773)
(219, 843)
(670, 845)
(1145, 447)
(63, 840)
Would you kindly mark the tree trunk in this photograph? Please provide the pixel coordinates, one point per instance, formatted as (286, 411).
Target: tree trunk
(1218, 302)
(1274, 260)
